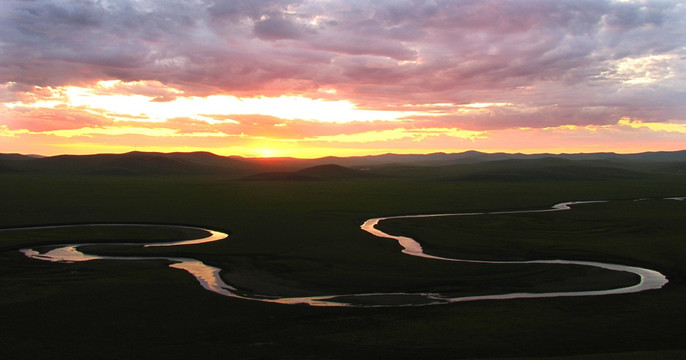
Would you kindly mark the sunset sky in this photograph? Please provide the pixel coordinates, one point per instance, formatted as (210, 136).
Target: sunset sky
(313, 78)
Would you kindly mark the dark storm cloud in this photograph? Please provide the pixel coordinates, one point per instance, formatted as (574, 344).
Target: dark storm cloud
(534, 52)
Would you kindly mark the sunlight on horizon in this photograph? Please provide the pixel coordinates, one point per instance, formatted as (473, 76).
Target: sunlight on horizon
(150, 116)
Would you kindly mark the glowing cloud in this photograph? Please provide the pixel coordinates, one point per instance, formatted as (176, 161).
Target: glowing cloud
(98, 99)
(317, 78)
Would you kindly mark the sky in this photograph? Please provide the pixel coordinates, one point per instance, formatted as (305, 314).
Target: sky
(313, 78)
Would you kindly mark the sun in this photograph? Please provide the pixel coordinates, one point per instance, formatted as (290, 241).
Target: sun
(267, 152)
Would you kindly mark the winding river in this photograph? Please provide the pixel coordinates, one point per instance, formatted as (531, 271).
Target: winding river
(209, 278)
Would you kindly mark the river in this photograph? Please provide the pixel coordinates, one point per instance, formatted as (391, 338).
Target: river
(210, 279)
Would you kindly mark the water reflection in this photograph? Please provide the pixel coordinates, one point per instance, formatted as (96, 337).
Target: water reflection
(210, 279)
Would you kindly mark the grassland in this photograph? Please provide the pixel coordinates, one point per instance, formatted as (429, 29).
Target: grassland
(296, 237)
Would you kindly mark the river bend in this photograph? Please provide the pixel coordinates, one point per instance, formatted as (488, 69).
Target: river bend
(210, 279)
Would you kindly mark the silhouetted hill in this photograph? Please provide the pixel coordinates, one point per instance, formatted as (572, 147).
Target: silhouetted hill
(646, 156)
(137, 163)
(471, 157)
(149, 164)
(470, 165)
(64, 163)
(17, 157)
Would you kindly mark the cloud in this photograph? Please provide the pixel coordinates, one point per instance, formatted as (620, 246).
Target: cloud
(154, 89)
(49, 119)
(568, 62)
(277, 28)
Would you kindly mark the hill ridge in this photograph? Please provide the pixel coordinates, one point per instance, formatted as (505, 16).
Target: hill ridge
(236, 167)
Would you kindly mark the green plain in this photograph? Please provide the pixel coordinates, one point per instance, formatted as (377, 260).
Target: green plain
(295, 238)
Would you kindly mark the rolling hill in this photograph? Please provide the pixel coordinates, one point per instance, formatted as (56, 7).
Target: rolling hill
(466, 166)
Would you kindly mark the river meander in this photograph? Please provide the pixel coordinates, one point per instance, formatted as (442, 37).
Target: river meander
(210, 279)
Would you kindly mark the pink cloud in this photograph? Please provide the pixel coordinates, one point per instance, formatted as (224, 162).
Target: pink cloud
(558, 60)
(49, 119)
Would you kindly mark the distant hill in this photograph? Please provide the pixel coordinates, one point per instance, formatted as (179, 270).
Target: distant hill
(465, 166)
(646, 156)
(473, 157)
(134, 163)
(11, 157)
(149, 164)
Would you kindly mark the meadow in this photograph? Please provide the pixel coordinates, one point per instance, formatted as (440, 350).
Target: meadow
(296, 236)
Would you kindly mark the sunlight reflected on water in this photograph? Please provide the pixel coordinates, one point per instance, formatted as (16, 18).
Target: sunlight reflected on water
(210, 279)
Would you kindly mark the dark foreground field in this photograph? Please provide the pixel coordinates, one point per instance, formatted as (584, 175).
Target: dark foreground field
(299, 235)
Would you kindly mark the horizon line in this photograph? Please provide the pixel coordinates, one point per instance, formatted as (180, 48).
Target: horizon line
(353, 156)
